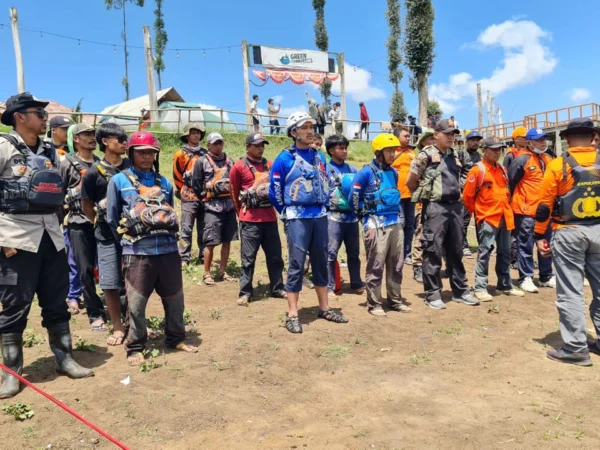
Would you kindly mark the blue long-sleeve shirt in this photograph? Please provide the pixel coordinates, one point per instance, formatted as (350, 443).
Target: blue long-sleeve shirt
(279, 171)
(121, 197)
(333, 172)
(365, 183)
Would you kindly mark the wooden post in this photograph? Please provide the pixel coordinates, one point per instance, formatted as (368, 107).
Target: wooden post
(14, 20)
(246, 85)
(479, 108)
(150, 76)
(222, 121)
(342, 92)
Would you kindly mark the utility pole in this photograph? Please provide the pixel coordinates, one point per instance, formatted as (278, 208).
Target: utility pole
(493, 109)
(150, 77)
(487, 104)
(246, 85)
(479, 108)
(14, 20)
(499, 114)
(342, 92)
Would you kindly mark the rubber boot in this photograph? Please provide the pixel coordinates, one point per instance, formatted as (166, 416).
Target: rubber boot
(12, 357)
(62, 347)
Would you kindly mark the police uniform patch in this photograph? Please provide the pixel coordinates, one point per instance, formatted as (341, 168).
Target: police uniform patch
(471, 179)
(435, 158)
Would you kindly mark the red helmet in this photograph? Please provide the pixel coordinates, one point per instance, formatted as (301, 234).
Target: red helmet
(143, 139)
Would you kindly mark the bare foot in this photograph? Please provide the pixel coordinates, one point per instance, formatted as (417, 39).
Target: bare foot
(186, 348)
(135, 359)
(116, 338)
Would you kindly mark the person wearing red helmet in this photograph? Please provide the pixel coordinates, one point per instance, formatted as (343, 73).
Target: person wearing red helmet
(140, 211)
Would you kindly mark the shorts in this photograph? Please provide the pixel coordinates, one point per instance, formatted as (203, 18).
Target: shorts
(109, 265)
(219, 228)
(255, 120)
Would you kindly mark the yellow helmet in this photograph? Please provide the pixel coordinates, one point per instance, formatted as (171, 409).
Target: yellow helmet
(383, 141)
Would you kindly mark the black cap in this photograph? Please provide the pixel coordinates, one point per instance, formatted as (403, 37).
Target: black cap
(59, 122)
(255, 139)
(18, 103)
(491, 143)
(443, 126)
(579, 125)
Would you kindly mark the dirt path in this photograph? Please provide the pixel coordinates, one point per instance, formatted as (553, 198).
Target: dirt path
(466, 377)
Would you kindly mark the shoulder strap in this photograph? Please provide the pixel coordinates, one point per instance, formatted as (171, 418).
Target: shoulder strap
(481, 174)
(76, 164)
(249, 166)
(20, 146)
(376, 173)
(132, 177)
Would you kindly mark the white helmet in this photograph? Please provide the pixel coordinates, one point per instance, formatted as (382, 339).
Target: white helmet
(298, 119)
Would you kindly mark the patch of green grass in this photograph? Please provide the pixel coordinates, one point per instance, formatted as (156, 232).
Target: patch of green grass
(494, 309)
(450, 330)
(420, 358)
(359, 434)
(359, 341)
(150, 363)
(233, 268)
(29, 433)
(31, 339)
(19, 411)
(83, 344)
(334, 351)
(155, 323)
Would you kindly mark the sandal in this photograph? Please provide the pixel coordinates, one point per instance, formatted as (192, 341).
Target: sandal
(243, 301)
(208, 280)
(101, 328)
(115, 339)
(293, 325)
(73, 306)
(332, 316)
(186, 348)
(224, 276)
(401, 308)
(377, 311)
(135, 359)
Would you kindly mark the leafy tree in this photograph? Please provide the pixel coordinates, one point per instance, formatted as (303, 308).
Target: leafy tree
(397, 110)
(160, 42)
(322, 43)
(418, 49)
(76, 118)
(120, 4)
(433, 107)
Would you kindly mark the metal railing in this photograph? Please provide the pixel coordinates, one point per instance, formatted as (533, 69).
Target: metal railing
(562, 116)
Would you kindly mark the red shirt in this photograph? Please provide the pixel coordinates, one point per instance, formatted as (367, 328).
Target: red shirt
(240, 179)
(364, 115)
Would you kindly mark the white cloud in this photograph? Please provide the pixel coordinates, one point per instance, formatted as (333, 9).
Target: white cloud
(579, 94)
(277, 99)
(525, 61)
(288, 110)
(358, 85)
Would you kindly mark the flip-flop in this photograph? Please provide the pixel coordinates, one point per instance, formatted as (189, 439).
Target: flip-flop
(208, 280)
(73, 306)
(184, 348)
(102, 328)
(118, 339)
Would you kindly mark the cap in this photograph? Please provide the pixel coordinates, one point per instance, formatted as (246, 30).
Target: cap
(214, 137)
(18, 103)
(491, 143)
(580, 125)
(519, 132)
(473, 135)
(255, 139)
(81, 128)
(535, 133)
(192, 126)
(426, 133)
(59, 122)
(443, 126)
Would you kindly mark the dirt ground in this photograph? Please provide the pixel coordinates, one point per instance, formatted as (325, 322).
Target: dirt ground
(466, 377)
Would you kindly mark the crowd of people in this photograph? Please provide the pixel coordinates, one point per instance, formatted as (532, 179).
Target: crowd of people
(413, 203)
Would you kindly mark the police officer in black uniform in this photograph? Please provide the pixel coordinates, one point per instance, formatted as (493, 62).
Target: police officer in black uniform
(436, 178)
(33, 259)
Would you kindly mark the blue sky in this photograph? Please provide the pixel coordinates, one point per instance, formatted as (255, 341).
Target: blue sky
(532, 56)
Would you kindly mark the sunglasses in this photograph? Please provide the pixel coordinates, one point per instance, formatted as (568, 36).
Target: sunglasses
(41, 113)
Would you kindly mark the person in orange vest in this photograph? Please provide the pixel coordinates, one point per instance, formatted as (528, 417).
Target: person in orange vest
(403, 159)
(525, 175)
(192, 209)
(486, 194)
(519, 138)
(569, 197)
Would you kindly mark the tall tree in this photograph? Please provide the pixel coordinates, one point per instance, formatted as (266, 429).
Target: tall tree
(397, 110)
(418, 49)
(120, 4)
(433, 107)
(160, 41)
(322, 43)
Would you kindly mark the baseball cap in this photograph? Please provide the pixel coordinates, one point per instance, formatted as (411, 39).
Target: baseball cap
(491, 143)
(81, 128)
(59, 122)
(255, 139)
(579, 125)
(519, 132)
(443, 126)
(18, 103)
(535, 133)
(473, 135)
(214, 137)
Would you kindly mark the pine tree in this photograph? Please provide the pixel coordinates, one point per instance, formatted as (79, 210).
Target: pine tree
(120, 4)
(433, 107)
(160, 42)
(322, 43)
(397, 110)
(418, 49)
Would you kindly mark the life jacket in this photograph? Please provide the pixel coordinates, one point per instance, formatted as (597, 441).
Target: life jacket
(36, 186)
(73, 197)
(440, 181)
(187, 192)
(218, 186)
(257, 196)
(580, 205)
(306, 184)
(481, 176)
(107, 171)
(152, 214)
(340, 197)
(386, 199)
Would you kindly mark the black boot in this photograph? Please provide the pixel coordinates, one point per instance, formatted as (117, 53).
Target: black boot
(62, 347)
(12, 357)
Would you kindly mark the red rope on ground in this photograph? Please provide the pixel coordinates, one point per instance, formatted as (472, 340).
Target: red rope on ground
(66, 408)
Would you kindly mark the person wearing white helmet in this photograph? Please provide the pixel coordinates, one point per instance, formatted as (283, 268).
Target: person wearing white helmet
(299, 191)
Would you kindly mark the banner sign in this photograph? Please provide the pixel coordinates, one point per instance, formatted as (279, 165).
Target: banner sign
(294, 59)
(280, 76)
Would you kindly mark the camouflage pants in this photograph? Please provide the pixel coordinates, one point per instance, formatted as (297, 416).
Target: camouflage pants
(417, 252)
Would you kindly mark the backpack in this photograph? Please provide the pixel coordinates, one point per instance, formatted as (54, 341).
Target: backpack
(218, 186)
(340, 197)
(257, 196)
(73, 197)
(481, 176)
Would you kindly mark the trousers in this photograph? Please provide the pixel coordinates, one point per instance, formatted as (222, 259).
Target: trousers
(417, 252)
(524, 226)
(74, 281)
(487, 236)
(191, 212)
(348, 234)
(408, 208)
